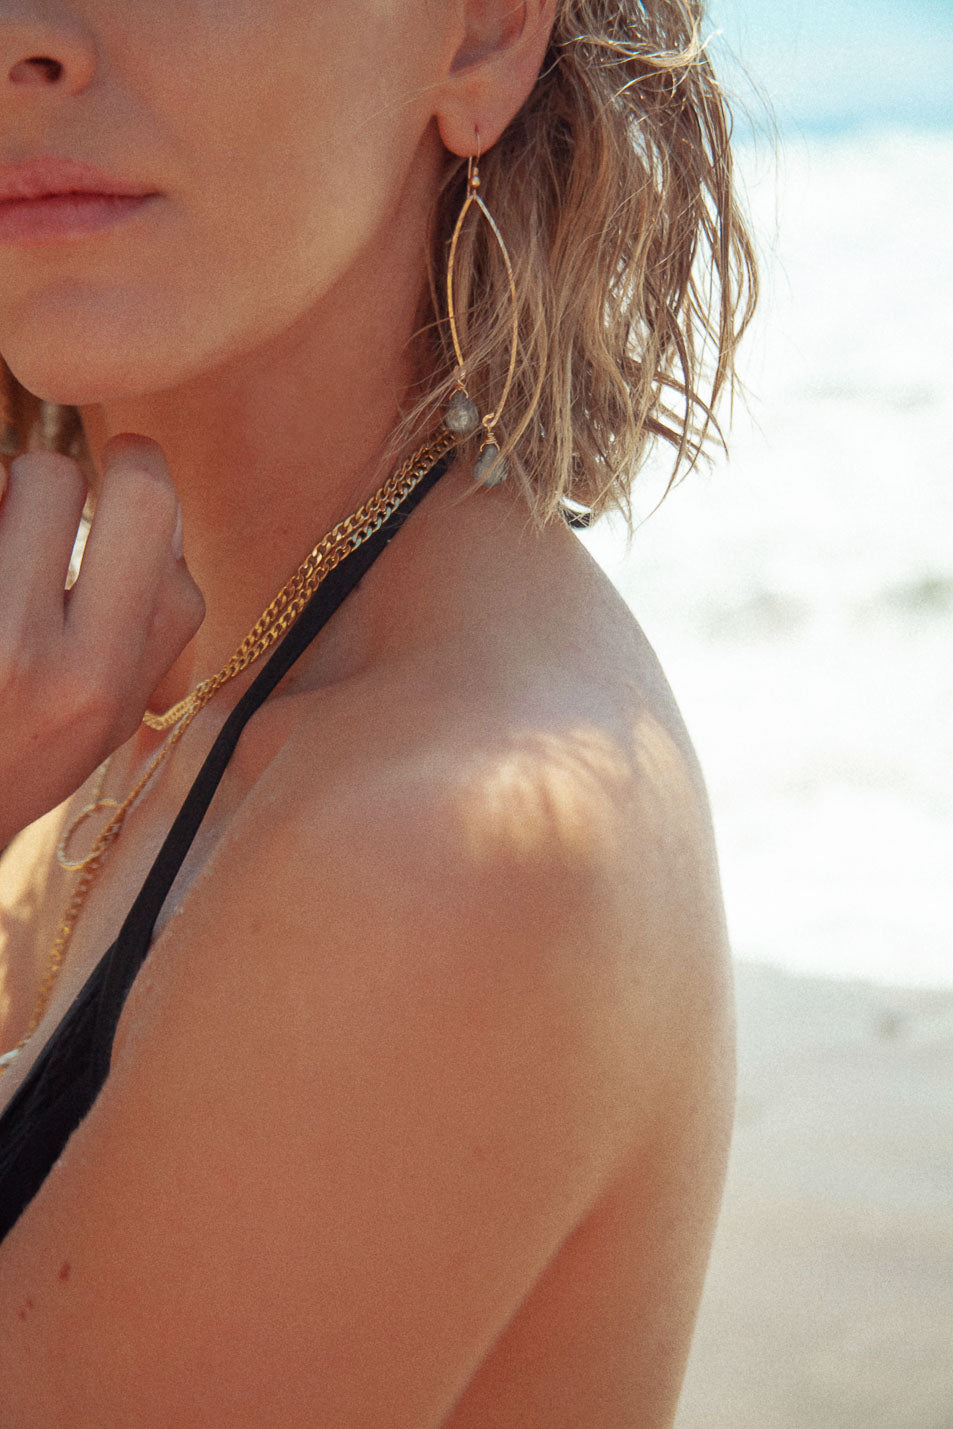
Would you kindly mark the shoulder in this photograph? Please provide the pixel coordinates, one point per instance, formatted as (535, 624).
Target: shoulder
(436, 989)
(502, 805)
(539, 853)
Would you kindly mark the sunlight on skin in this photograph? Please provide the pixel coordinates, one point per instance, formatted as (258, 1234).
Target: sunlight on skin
(25, 879)
(4, 994)
(9, 918)
(571, 788)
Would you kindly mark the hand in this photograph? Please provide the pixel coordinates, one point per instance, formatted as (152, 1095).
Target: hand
(77, 669)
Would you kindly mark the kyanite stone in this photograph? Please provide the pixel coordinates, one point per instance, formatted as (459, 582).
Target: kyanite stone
(489, 469)
(461, 415)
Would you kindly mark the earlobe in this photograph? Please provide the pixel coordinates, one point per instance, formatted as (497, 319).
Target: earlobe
(493, 71)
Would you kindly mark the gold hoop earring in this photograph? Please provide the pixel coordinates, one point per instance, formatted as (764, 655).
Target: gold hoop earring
(462, 415)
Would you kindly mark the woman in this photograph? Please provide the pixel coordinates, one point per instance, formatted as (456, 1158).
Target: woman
(402, 1095)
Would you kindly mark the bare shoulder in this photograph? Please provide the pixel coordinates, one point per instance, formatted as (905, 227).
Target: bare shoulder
(517, 807)
(516, 768)
(510, 829)
(453, 977)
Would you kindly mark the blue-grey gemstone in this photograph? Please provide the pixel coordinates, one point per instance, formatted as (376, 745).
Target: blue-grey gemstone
(489, 469)
(462, 416)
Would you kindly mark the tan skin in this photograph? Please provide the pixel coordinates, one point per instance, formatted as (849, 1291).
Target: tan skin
(419, 1109)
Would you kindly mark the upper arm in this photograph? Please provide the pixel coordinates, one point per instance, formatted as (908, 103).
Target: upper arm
(362, 1100)
(366, 1089)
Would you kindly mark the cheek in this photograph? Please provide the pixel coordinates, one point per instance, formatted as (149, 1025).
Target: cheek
(280, 174)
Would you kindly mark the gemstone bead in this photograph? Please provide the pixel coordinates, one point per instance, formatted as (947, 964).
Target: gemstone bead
(462, 416)
(490, 458)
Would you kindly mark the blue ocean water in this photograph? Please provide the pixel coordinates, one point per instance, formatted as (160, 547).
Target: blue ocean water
(831, 66)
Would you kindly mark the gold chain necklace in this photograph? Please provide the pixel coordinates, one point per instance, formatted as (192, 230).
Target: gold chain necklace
(274, 621)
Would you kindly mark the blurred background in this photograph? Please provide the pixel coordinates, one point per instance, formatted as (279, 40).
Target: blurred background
(800, 596)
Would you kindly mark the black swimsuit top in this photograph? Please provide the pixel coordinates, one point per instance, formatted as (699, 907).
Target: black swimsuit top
(70, 1071)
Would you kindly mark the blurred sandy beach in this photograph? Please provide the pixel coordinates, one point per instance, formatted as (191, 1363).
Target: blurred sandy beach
(829, 1302)
(801, 599)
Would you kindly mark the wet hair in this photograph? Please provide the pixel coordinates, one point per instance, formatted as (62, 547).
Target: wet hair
(635, 276)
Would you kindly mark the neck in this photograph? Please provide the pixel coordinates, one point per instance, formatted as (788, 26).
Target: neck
(273, 447)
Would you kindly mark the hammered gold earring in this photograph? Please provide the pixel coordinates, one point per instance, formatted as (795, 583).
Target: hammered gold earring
(462, 415)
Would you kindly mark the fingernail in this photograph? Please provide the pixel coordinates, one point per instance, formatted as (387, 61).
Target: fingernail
(178, 548)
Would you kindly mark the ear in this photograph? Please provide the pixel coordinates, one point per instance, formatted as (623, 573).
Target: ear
(493, 71)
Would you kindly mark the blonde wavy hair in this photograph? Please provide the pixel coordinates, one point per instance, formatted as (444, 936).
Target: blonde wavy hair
(634, 270)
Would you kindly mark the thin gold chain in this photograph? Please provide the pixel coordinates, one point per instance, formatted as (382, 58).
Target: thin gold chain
(274, 621)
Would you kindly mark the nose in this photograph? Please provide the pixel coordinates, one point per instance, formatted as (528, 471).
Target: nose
(41, 54)
(38, 69)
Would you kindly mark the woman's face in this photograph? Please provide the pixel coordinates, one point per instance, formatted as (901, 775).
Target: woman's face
(278, 135)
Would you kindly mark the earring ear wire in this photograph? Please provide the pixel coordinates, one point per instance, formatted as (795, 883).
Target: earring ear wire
(462, 415)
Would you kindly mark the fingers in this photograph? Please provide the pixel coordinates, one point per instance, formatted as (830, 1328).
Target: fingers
(134, 606)
(77, 669)
(128, 549)
(178, 613)
(39, 517)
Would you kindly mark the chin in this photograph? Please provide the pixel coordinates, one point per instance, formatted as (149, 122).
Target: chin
(77, 352)
(88, 374)
(69, 390)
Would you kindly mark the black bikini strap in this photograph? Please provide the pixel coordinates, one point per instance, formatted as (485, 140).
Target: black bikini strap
(136, 933)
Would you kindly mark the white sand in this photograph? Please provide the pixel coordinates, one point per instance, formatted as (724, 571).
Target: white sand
(829, 1302)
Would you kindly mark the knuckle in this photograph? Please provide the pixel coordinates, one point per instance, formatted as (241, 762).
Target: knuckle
(85, 695)
(101, 690)
(193, 609)
(178, 614)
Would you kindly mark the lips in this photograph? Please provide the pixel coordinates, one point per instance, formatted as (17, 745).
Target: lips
(41, 177)
(48, 199)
